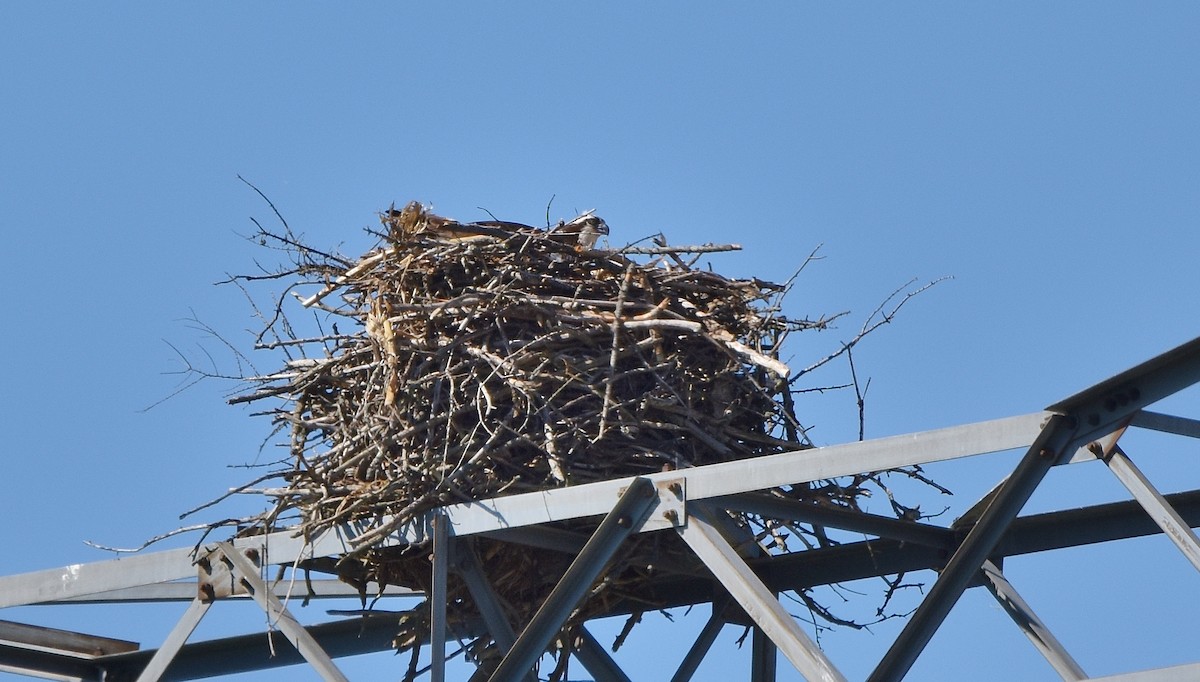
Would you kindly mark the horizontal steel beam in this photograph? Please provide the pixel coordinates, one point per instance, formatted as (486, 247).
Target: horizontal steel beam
(65, 641)
(1027, 535)
(844, 519)
(497, 514)
(759, 473)
(1154, 421)
(1095, 411)
(1179, 673)
(855, 561)
(186, 591)
(247, 653)
(48, 665)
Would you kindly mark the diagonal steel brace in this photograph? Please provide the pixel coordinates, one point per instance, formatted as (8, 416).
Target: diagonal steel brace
(597, 661)
(627, 515)
(963, 567)
(246, 573)
(1029, 622)
(754, 597)
(175, 641)
(704, 641)
(1155, 505)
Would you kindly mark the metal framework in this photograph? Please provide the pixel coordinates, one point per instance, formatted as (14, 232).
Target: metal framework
(690, 503)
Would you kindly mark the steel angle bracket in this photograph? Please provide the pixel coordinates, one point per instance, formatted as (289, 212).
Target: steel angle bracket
(246, 573)
(670, 510)
(1112, 403)
(216, 578)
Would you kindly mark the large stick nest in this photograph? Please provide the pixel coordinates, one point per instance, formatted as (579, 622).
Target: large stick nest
(493, 358)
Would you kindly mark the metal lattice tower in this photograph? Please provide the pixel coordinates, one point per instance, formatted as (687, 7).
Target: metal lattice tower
(690, 503)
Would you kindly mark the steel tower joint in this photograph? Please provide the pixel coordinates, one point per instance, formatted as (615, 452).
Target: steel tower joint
(630, 511)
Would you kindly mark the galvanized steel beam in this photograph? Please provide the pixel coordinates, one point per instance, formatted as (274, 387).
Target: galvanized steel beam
(1100, 410)
(246, 571)
(515, 511)
(1029, 534)
(66, 641)
(466, 565)
(175, 640)
(438, 599)
(1179, 673)
(844, 519)
(1056, 438)
(1155, 505)
(759, 473)
(1166, 423)
(597, 661)
(704, 641)
(1111, 403)
(47, 664)
(627, 514)
(186, 591)
(754, 597)
(253, 652)
(764, 661)
(1091, 413)
(1033, 627)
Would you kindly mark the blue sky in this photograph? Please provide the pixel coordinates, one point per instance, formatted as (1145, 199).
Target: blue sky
(1046, 157)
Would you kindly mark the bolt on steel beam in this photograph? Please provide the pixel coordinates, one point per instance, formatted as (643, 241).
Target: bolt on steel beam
(246, 571)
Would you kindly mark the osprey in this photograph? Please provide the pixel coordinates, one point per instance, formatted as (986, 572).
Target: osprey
(585, 230)
(414, 219)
